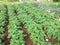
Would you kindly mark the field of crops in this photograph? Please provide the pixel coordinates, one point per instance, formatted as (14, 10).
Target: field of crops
(24, 24)
(55, 5)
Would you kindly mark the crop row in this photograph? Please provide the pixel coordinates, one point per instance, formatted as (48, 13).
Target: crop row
(15, 34)
(2, 23)
(39, 24)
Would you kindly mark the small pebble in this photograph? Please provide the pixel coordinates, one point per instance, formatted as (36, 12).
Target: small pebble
(47, 40)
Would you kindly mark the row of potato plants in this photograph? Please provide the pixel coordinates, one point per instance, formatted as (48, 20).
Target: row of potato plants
(2, 23)
(37, 19)
(38, 23)
(15, 34)
(30, 24)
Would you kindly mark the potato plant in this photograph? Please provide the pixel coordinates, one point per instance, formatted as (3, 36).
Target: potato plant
(43, 27)
(2, 23)
(15, 34)
(2, 15)
(36, 22)
(1, 35)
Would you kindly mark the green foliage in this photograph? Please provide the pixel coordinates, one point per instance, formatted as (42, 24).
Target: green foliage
(2, 22)
(1, 35)
(2, 15)
(16, 35)
(38, 23)
(35, 19)
(55, 5)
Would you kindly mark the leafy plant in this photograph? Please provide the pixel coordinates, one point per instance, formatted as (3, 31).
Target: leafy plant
(2, 15)
(2, 23)
(1, 35)
(36, 20)
(16, 35)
